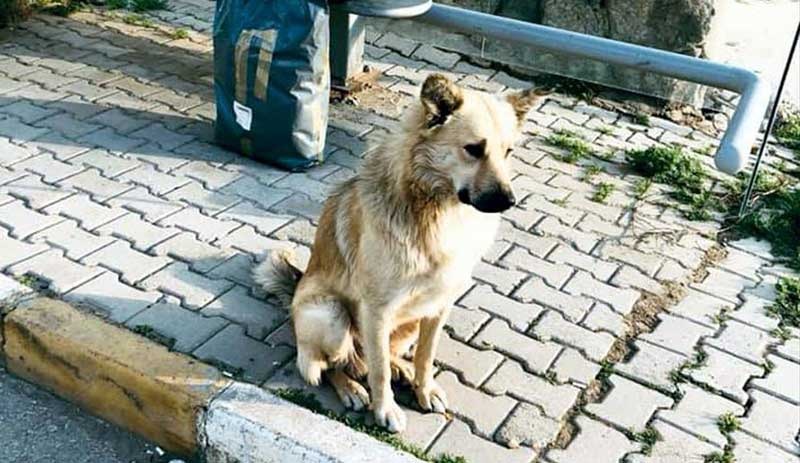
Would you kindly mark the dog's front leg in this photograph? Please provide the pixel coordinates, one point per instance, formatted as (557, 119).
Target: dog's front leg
(430, 395)
(376, 332)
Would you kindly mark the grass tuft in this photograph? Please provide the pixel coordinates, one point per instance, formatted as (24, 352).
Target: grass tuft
(603, 191)
(787, 304)
(648, 439)
(179, 34)
(788, 131)
(728, 423)
(307, 400)
(572, 143)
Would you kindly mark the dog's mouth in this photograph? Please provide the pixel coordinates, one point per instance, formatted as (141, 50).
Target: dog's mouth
(491, 202)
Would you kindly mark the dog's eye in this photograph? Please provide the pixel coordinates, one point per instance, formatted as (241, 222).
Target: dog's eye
(476, 150)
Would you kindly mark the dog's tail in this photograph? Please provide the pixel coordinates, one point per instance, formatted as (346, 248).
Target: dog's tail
(278, 275)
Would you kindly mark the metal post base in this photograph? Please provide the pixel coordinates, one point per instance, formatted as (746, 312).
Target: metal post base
(347, 46)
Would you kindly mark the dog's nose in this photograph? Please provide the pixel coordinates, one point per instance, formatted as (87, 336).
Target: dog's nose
(497, 200)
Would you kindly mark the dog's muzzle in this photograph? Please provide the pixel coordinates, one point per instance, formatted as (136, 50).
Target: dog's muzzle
(492, 201)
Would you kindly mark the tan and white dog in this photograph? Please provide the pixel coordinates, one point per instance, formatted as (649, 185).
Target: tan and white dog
(396, 244)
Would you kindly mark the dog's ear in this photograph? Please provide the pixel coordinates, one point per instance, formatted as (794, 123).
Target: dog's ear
(440, 98)
(523, 101)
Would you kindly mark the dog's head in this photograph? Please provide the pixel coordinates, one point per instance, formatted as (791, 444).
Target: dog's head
(469, 137)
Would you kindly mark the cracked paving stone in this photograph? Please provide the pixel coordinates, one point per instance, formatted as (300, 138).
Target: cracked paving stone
(528, 426)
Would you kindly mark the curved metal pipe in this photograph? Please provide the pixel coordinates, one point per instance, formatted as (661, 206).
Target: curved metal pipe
(736, 144)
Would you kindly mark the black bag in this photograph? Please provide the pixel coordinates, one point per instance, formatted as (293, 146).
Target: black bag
(272, 79)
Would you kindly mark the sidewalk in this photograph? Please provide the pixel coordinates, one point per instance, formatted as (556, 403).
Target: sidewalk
(565, 348)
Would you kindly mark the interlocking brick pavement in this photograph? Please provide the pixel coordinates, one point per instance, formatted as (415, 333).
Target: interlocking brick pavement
(113, 196)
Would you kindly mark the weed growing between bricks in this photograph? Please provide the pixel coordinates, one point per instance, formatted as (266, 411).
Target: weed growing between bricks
(788, 131)
(774, 214)
(308, 400)
(727, 425)
(787, 303)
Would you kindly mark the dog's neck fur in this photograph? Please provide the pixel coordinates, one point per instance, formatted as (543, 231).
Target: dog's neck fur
(400, 186)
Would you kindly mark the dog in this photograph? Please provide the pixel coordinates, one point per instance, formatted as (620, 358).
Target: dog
(395, 246)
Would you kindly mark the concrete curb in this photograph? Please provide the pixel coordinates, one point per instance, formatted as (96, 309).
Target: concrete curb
(171, 399)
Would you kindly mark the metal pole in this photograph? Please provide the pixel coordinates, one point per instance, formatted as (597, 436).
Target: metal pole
(773, 112)
(737, 142)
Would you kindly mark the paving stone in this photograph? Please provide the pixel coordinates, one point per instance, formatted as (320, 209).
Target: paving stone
(250, 188)
(463, 323)
(553, 326)
(157, 182)
(473, 365)
(621, 300)
(422, 428)
(26, 111)
(537, 245)
(529, 427)
(773, 420)
(536, 355)
(783, 381)
(595, 442)
(573, 308)
(677, 334)
(748, 449)
(61, 273)
(141, 234)
(652, 364)
(791, 349)
(523, 218)
(742, 263)
(503, 280)
(139, 200)
(753, 312)
(457, 439)
(238, 268)
(629, 404)
(541, 203)
(629, 277)
(647, 263)
(62, 148)
(600, 269)
(163, 137)
(109, 165)
(11, 153)
(299, 205)
(115, 300)
(246, 239)
(485, 412)
(195, 290)
(754, 246)
(123, 122)
(110, 140)
(743, 341)
(700, 307)
(264, 221)
(200, 256)
(583, 241)
(75, 242)
(132, 265)
(188, 329)
(212, 177)
(206, 228)
(697, 413)
(555, 400)
(723, 284)
(535, 188)
(100, 188)
(15, 250)
(571, 365)
(34, 192)
(89, 214)
(675, 446)
(298, 231)
(231, 347)
(602, 318)
(23, 222)
(553, 274)
(50, 169)
(258, 318)
(68, 125)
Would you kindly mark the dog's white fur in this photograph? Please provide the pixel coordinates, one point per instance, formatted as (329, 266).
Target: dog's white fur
(396, 244)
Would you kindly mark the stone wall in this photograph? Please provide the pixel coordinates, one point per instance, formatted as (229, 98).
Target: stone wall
(675, 25)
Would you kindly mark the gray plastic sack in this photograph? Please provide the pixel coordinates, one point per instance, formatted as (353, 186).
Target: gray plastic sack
(272, 80)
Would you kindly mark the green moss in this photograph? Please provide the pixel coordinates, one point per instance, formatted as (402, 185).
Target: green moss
(307, 400)
(788, 131)
(648, 439)
(725, 456)
(178, 34)
(603, 191)
(576, 148)
(775, 216)
(641, 119)
(137, 20)
(728, 423)
(591, 171)
(787, 304)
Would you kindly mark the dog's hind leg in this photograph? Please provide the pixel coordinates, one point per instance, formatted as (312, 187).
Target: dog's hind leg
(352, 394)
(322, 331)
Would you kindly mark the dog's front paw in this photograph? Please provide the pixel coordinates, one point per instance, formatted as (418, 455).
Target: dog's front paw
(431, 397)
(390, 416)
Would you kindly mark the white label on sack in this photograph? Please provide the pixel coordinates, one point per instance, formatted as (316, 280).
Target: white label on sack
(244, 115)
